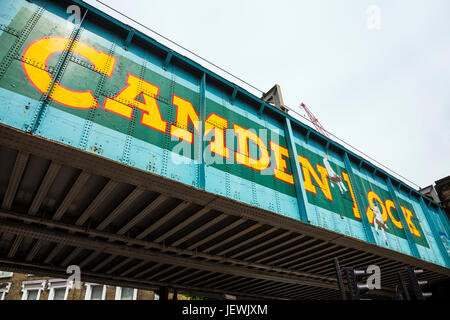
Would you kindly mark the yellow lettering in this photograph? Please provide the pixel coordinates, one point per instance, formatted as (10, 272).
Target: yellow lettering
(355, 207)
(322, 182)
(280, 163)
(408, 215)
(242, 155)
(127, 97)
(217, 125)
(185, 113)
(40, 52)
(390, 205)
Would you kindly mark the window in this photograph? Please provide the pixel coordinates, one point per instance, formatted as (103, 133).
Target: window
(31, 290)
(4, 289)
(95, 291)
(5, 274)
(59, 289)
(126, 293)
(32, 294)
(59, 294)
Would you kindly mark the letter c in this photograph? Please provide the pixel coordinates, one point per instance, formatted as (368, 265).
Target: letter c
(41, 50)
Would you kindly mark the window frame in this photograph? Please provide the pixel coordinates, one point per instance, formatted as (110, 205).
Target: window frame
(58, 284)
(2, 276)
(119, 293)
(5, 290)
(32, 285)
(89, 286)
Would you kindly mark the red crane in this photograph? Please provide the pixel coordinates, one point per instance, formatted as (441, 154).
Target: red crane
(315, 121)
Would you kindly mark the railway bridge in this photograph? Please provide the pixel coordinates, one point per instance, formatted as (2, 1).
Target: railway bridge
(147, 170)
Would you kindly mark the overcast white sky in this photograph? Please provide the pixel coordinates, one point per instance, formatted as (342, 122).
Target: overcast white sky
(384, 91)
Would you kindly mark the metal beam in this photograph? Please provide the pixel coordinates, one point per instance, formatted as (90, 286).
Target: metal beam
(310, 261)
(230, 283)
(198, 230)
(183, 224)
(202, 276)
(251, 239)
(142, 244)
(71, 256)
(409, 236)
(360, 201)
(128, 39)
(300, 252)
(261, 109)
(233, 237)
(164, 270)
(45, 185)
(65, 204)
(99, 199)
(89, 258)
(296, 172)
(206, 282)
(314, 253)
(172, 274)
(308, 134)
(444, 220)
(261, 244)
(200, 137)
(273, 248)
(227, 279)
(87, 276)
(258, 285)
(53, 253)
(221, 278)
(14, 179)
(133, 268)
(188, 274)
(434, 231)
(116, 250)
(144, 272)
(166, 217)
(135, 194)
(243, 284)
(141, 215)
(233, 95)
(15, 246)
(167, 60)
(104, 262)
(289, 249)
(70, 196)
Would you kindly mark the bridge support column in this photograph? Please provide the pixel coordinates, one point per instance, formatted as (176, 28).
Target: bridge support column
(175, 294)
(163, 293)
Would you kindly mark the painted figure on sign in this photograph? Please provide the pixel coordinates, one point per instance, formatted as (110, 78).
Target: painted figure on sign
(378, 221)
(334, 177)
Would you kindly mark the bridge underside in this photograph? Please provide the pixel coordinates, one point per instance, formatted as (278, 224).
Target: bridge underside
(123, 226)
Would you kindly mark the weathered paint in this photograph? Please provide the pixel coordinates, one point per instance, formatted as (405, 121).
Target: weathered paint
(102, 92)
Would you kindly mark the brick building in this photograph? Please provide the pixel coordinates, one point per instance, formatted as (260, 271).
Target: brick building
(17, 286)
